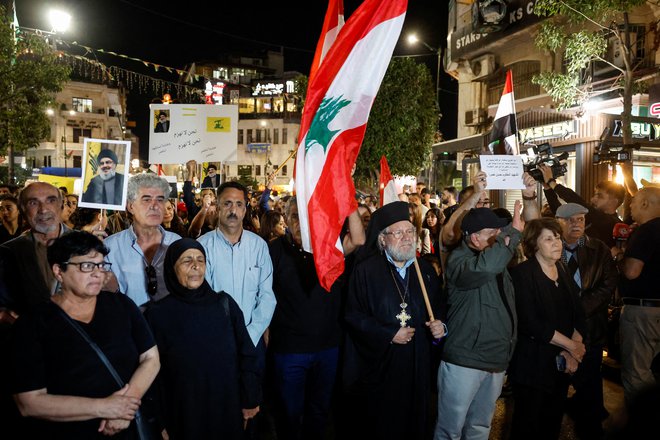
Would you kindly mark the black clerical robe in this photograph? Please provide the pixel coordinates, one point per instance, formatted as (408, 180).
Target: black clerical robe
(390, 384)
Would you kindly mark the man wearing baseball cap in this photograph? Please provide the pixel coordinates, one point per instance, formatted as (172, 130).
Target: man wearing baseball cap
(107, 187)
(481, 322)
(590, 264)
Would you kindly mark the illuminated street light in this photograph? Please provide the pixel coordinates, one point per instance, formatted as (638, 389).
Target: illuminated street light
(412, 40)
(59, 20)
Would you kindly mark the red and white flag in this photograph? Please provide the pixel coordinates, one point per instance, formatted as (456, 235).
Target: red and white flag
(334, 120)
(504, 134)
(388, 193)
(332, 24)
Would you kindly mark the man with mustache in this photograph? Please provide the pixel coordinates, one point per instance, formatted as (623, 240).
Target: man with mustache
(389, 348)
(590, 265)
(108, 186)
(238, 262)
(27, 274)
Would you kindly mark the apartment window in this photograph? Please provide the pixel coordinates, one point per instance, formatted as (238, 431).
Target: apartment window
(284, 170)
(284, 136)
(82, 105)
(257, 170)
(259, 137)
(220, 73)
(276, 135)
(523, 72)
(79, 133)
(245, 170)
(240, 136)
(77, 161)
(249, 135)
(47, 162)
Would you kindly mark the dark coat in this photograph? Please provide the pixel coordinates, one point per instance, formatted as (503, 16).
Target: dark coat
(541, 312)
(94, 192)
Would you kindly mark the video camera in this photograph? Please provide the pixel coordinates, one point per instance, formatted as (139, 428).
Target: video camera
(543, 155)
(607, 153)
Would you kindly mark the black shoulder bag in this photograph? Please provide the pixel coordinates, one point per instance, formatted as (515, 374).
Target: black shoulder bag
(144, 433)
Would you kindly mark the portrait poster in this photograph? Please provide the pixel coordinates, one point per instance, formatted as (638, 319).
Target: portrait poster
(105, 174)
(182, 132)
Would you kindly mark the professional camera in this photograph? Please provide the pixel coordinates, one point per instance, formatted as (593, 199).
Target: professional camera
(614, 154)
(543, 155)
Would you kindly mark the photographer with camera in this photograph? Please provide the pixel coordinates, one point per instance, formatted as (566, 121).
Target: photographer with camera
(602, 216)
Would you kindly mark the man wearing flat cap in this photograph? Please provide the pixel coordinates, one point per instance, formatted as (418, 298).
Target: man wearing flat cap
(482, 323)
(590, 265)
(108, 186)
(388, 352)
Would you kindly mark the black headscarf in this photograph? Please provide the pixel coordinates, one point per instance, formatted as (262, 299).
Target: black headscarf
(204, 292)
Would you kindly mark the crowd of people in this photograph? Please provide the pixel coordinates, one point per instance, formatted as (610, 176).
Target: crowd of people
(203, 317)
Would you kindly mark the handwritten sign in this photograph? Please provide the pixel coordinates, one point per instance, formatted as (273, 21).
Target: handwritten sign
(181, 132)
(504, 171)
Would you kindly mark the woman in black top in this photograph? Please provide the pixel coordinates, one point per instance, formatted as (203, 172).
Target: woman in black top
(550, 324)
(59, 381)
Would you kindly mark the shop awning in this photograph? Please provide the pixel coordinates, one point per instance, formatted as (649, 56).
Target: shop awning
(476, 142)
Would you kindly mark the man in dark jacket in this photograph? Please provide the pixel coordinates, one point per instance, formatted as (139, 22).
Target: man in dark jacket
(482, 317)
(602, 216)
(590, 264)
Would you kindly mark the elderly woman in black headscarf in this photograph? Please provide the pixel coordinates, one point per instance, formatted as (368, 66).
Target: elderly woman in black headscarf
(210, 383)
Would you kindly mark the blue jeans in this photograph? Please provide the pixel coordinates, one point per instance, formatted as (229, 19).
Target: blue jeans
(466, 402)
(304, 384)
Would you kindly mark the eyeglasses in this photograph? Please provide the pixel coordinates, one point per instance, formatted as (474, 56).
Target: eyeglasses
(399, 234)
(88, 266)
(152, 280)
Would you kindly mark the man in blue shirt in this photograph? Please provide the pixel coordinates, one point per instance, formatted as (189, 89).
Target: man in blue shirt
(137, 253)
(238, 262)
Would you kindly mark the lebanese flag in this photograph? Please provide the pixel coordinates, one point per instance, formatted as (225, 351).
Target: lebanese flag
(339, 99)
(332, 24)
(504, 134)
(387, 186)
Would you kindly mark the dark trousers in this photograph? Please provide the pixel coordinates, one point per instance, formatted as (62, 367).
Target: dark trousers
(258, 425)
(586, 405)
(537, 414)
(304, 383)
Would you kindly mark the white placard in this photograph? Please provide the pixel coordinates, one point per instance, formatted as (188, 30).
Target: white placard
(504, 171)
(182, 132)
(104, 174)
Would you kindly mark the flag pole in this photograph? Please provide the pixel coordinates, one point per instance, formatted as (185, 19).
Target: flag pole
(424, 292)
(293, 152)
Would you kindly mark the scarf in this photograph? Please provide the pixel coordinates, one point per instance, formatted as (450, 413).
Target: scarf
(204, 294)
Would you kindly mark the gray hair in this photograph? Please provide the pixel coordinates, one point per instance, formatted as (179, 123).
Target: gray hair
(146, 180)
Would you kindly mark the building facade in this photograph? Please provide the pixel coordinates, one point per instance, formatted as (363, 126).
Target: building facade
(484, 45)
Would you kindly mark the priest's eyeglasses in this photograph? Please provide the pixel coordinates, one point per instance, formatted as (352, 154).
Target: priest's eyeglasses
(88, 266)
(399, 234)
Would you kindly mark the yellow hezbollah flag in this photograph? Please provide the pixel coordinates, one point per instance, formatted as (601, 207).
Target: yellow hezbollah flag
(93, 150)
(218, 124)
(58, 181)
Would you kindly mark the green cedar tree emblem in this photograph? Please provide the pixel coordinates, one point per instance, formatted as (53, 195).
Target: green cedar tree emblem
(319, 133)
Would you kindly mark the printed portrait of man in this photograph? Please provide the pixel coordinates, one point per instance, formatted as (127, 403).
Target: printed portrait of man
(163, 124)
(108, 185)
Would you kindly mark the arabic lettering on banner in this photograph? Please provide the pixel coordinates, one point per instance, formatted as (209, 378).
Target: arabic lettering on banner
(504, 171)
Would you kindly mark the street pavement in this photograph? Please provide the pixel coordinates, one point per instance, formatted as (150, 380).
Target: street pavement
(612, 394)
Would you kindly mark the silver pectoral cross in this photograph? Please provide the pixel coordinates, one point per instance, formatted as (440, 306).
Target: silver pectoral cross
(403, 317)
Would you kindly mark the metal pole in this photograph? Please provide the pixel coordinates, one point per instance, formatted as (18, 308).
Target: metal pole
(66, 174)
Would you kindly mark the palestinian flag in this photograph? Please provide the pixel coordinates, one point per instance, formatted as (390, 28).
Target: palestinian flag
(504, 134)
(388, 193)
(334, 120)
(332, 24)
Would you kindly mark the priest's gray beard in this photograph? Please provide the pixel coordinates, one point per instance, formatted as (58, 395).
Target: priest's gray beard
(402, 255)
(108, 176)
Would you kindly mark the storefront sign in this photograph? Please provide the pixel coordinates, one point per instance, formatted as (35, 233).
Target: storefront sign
(268, 89)
(558, 130)
(258, 147)
(520, 14)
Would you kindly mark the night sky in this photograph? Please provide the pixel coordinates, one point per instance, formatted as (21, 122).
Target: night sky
(198, 30)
